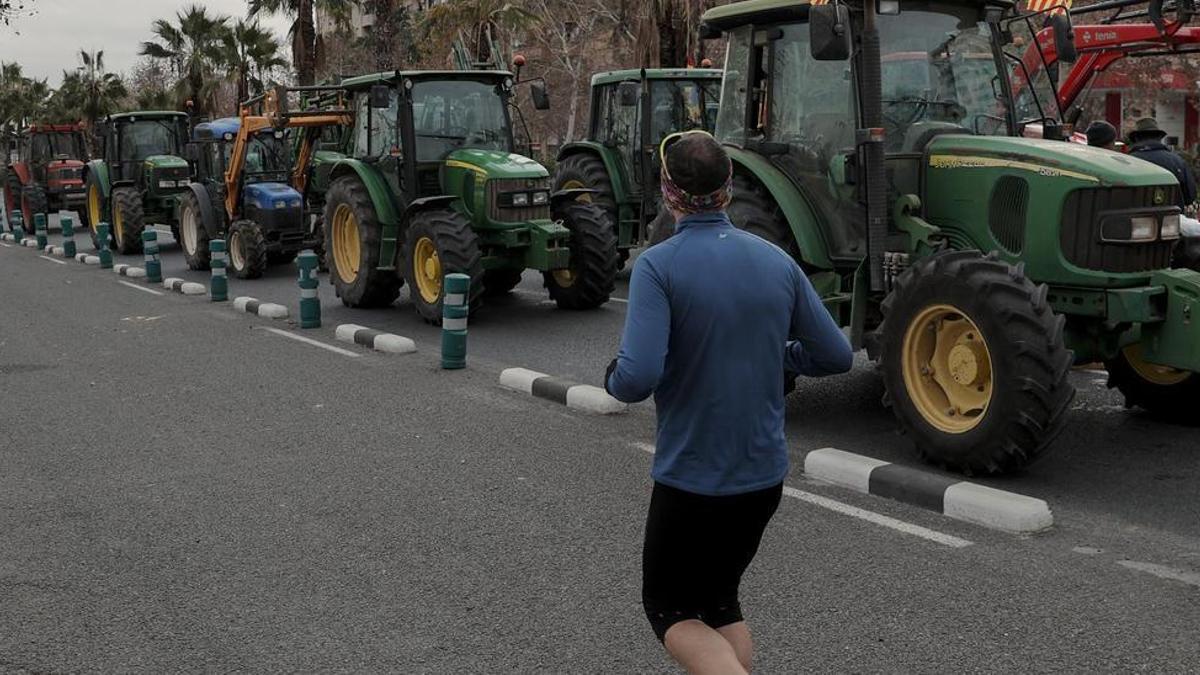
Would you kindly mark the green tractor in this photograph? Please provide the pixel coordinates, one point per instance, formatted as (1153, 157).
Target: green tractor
(432, 186)
(632, 111)
(140, 177)
(974, 265)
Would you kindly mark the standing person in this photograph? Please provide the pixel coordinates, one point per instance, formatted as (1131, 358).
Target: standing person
(715, 316)
(1146, 140)
(1101, 134)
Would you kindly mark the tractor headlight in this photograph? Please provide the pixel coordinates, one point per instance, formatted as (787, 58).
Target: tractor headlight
(1123, 229)
(541, 198)
(1143, 228)
(281, 204)
(1170, 226)
(166, 183)
(520, 199)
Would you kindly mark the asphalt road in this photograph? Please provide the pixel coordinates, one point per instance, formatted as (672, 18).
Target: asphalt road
(183, 489)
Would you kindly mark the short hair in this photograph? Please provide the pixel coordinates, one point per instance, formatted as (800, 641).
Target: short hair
(1101, 133)
(698, 164)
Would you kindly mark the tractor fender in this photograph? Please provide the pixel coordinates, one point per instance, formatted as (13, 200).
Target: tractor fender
(208, 217)
(801, 218)
(617, 175)
(570, 194)
(426, 203)
(22, 171)
(99, 169)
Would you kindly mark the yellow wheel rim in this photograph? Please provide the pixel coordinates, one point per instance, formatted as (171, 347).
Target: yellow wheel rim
(564, 278)
(427, 270)
(1164, 376)
(574, 185)
(118, 225)
(93, 205)
(347, 248)
(947, 369)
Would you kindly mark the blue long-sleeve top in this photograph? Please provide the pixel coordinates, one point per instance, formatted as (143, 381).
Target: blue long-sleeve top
(715, 316)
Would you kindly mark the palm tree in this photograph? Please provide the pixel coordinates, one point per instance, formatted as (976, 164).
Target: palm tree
(480, 23)
(253, 53)
(101, 91)
(305, 46)
(22, 100)
(193, 48)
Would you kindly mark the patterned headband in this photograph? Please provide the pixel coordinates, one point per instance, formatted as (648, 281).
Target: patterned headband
(679, 199)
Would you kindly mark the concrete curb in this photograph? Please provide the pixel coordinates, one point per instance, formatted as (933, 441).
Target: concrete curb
(29, 242)
(267, 310)
(953, 498)
(379, 341)
(583, 397)
(129, 271)
(87, 259)
(52, 250)
(186, 287)
(7, 236)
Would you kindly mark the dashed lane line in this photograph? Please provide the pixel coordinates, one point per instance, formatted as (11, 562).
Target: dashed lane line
(315, 343)
(1162, 571)
(862, 514)
(143, 289)
(57, 262)
(5, 245)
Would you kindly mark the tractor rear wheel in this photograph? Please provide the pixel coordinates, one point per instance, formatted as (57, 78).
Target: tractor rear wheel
(1162, 391)
(974, 362)
(500, 282)
(591, 275)
(128, 220)
(33, 202)
(754, 211)
(12, 195)
(586, 170)
(193, 235)
(439, 242)
(352, 242)
(247, 250)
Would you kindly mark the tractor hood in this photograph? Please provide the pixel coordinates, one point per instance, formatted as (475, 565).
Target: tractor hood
(1051, 159)
(165, 162)
(269, 196)
(495, 164)
(64, 164)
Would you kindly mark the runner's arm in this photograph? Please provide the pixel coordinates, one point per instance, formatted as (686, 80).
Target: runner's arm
(639, 362)
(817, 346)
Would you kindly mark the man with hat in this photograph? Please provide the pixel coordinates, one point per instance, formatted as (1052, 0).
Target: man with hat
(715, 317)
(1101, 134)
(1146, 140)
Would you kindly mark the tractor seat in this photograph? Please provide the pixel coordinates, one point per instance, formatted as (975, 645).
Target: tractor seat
(919, 135)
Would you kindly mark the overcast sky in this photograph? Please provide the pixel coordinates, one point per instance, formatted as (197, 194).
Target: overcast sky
(50, 39)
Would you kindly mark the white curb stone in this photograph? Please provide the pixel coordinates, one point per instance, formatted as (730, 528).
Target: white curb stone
(186, 287)
(368, 337)
(584, 397)
(267, 310)
(1000, 509)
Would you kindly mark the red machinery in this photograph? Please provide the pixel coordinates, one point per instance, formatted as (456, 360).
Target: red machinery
(47, 173)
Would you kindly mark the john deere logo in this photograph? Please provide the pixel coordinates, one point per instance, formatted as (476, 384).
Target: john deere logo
(1160, 196)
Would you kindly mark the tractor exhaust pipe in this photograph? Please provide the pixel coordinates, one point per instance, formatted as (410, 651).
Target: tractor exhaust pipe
(871, 140)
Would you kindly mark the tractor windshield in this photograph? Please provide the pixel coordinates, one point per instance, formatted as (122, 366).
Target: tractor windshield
(146, 137)
(681, 105)
(48, 146)
(268, 155)
(453, 114)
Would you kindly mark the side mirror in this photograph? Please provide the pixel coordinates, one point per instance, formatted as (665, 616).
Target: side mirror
(828, 34)
(1064, 37)
(380, 96)
(537, 92)
(628, 93)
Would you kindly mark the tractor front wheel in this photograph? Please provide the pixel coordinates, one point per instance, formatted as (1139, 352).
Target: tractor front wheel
(128, 220)
(247, 250)
(193, 236)
(441, 242)
(591, 275)
(33, 202)
(352, 243)
(974, 363)
(93, 208)
(1162, 391)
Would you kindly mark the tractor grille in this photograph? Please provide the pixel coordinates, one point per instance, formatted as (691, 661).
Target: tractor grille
(1007, 210)
(1079, 234)
(516, 214)
(73, 173)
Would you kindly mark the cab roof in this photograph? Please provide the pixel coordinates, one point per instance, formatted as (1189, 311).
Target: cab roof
(116, 117)
(393, 76)
(727, 17)
(216, 128)
(633, 74)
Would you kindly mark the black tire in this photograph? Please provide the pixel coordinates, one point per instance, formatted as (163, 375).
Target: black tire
(754, 211)
(1027, 360)
(101, 216)
(587, 171)
(127, 209)
(366, 286)
(12, 195)
(500, 282)
(193, 235)
(1187, 254)
(247, 250)
(662, 227)
(33, 202)
(457, 250)
(593, 265)
(1172, 399)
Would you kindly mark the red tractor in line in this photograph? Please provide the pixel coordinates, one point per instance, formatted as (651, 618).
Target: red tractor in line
(46, 173)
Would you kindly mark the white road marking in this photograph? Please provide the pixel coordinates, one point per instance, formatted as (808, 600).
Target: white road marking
(1162, 571)
(46, 257)
(5, 245)
(621, 300)
(151, 291)
(862, 514)
(315, 343)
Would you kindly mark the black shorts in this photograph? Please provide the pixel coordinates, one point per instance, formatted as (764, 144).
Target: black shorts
(696, 549)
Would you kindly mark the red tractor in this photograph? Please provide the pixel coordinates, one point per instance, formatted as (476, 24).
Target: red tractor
(46, 174)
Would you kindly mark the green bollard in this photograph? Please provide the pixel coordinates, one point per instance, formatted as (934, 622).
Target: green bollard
(105, 253)
(218, 290)
(310, 304)
(17, 223)
(150, 247)
(454, 320)
(68, 233)
(39, 230)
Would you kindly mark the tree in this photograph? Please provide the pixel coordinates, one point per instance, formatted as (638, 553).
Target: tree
(193, 48)
(303, 33)
(101, 91)
(22, 99)
(567, 34)
(480, 24)
(149, 85)
(253, 53)
(10, 9)
(669, 33)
